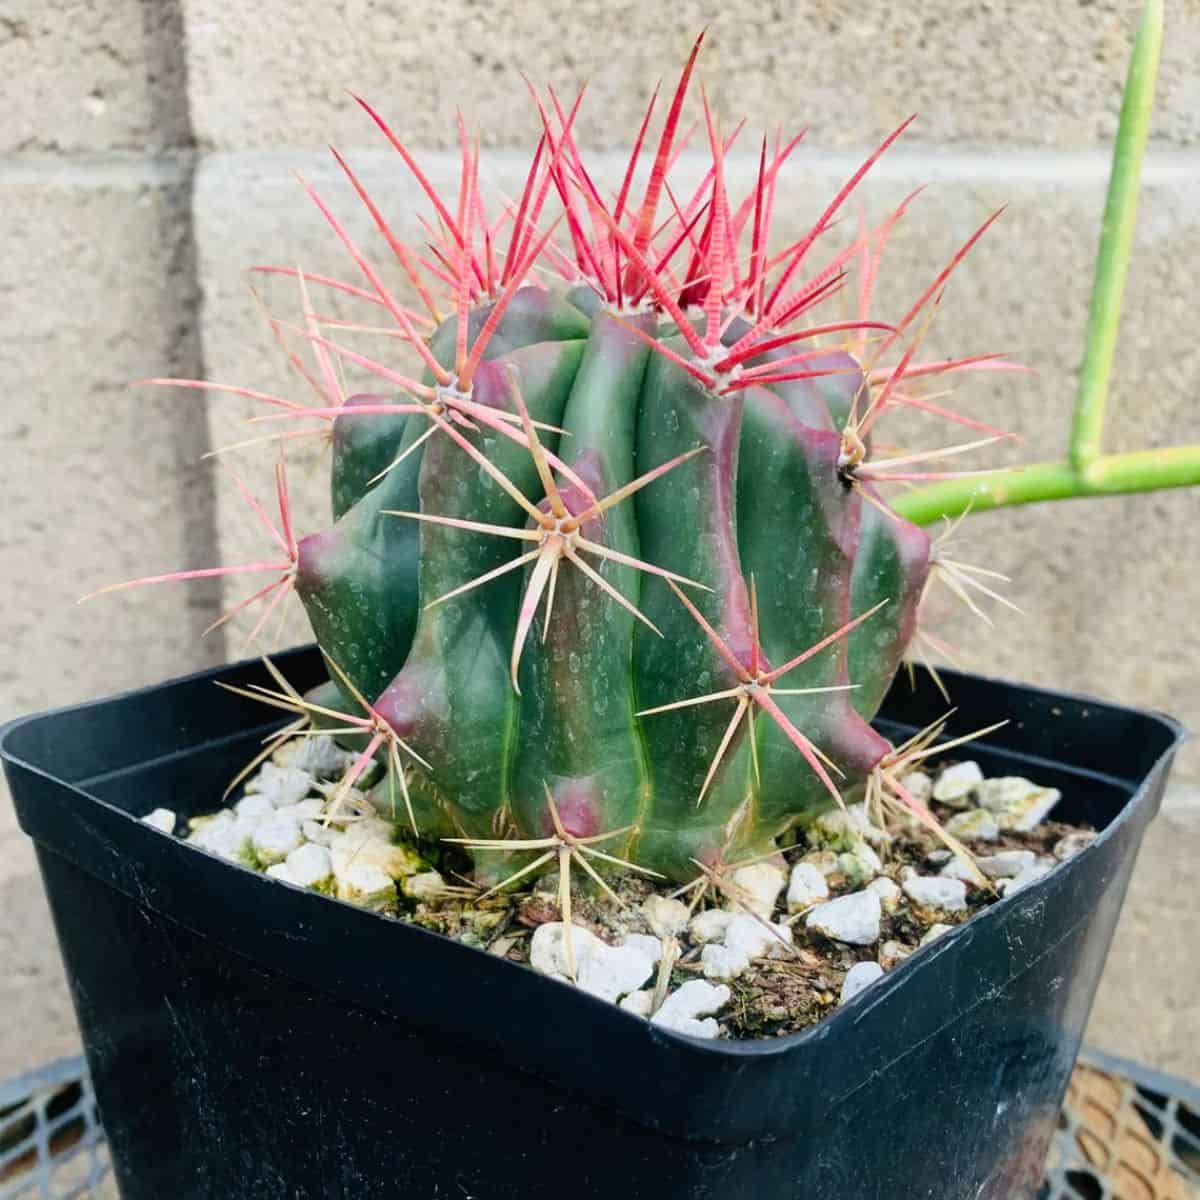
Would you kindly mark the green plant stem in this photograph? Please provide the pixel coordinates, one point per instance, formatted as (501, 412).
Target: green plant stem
(1109, 475)
(1116, 238)
(1086, 472)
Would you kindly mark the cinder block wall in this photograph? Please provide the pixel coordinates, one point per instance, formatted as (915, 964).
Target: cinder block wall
(147, 159)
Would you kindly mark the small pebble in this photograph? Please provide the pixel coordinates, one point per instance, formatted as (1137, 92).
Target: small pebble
(949, 895)
(424, 885)
(757, 888)
(709, 926)
(280, 871)
(319, 832)
(854, 919)
(366, 884)
(304, 810)
(254, 805)
(889, 894)
(824, 860)
(1019, 804)
(638, 1003)
(1073, 844)
(1007, 864)
(309, 865)
(807, 887)
(283, 785)
(892, 954)
(667, 917)
(918, 785)
(651, 947)
(956, 868)
(859, 978)
(1009, 887)
(683, 1008)
(275, 839)
(975, 825)
(956, 783)
(608, 972)
(934, 932)
(162, 819)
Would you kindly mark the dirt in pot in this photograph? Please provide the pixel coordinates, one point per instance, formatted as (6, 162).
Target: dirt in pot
(756, 949)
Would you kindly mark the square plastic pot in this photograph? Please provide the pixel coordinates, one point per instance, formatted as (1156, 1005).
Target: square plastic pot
(248, 1039)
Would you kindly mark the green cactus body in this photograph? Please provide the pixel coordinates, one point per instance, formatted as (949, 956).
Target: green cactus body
(764, 501)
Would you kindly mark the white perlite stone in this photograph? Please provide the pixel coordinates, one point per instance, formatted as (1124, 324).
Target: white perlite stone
(824, 860)
(638, 1003)
(918, 785)
(424, 885)
(956, 783)
(974, 825)
(807, 887)
(1073, 844)
(1007, 864)
(889, 894)
(224, 835)
(757, 888)
(1019, 804)
(162, 819)
(305, 810)
(369, 843)
(320, 756)
(365, 884)
(282, 785)
(709, 926)
(1009, 887)
(281, 872)
(667, 917)
(746, 939)
(859, 978)
(276, 838)
(319, 832)
(949, 895)
(683, 1008)
(309, 865)
(255, 806)
(651, 947)
(608, 972)
(956, 868)
(934, 932)
(892, 954)
(854, 919)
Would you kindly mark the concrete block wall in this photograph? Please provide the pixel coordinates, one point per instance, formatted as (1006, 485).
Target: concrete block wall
(161, 140)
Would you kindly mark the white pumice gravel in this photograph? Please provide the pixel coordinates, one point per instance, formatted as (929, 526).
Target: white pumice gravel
(936, 891)
(283, 785)
(275, 839)
(806, 887)
(854, 919)
(309, 865)
(934, 932)
(608, 972)
(858, 979)
(756, 888)
(162, 819)
(890, 895)
(710, 925)
(667, 917)
(974, 825)
(683, 1009)
(1007, 864)
(1020, 805)
(955, 784)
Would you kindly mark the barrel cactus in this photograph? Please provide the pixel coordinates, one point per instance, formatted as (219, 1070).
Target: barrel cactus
(613, 573)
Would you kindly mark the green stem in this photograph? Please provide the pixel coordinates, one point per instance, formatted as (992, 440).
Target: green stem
(1109, 475)
(1086, 472)
(1116, 238)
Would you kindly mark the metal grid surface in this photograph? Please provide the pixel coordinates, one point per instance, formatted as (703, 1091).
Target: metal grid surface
(1126, 1133)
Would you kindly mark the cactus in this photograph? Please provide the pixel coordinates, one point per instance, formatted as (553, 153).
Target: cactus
(617, 578)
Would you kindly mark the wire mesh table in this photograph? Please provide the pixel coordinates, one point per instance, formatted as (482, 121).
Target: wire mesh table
(1126, 1133)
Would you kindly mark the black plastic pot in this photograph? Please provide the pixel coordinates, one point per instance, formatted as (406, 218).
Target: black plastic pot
(252, 1040)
